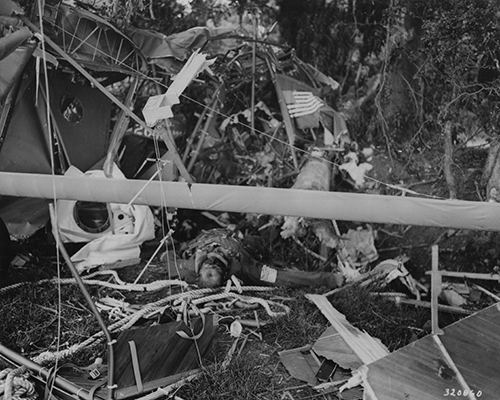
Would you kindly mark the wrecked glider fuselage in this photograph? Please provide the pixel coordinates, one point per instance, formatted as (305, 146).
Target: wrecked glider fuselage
(51, 117)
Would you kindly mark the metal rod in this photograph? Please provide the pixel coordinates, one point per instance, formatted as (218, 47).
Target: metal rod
(209, 106)
(90, 302)
(163, 131)
(204, 133)
(119, 130)
(469, 275)
(44, 373)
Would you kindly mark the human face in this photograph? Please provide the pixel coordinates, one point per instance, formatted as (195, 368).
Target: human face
(209, 276)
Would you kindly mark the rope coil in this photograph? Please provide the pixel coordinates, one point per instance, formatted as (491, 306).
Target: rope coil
(16, 385)
(197, 296)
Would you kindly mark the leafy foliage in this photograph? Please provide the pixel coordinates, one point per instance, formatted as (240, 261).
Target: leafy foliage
(327, 34)
(460, 43)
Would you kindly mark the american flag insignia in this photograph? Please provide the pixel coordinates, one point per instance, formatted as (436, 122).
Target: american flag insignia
(302, 103)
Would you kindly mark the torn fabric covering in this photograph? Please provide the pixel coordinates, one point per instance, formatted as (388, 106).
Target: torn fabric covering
(24, 216)
(83, 116)
(11, 42)
(168, 52)
(11, 68)
(9, 8)
(13, 59)
(25, 147)
(334, 122)
(133, 225)
(303, 363)
(155, 45)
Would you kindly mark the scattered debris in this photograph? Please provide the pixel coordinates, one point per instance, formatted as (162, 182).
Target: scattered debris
(356, 171)
(332, 346)
(290, 137)
(381, 275)
(342, 350)
(301, 364)
(366, 348)
(360, 246)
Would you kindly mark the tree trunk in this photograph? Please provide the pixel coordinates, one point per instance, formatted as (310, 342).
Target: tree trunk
(448, 161)
(491, 172)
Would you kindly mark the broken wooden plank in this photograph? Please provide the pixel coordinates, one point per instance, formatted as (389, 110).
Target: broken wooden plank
(364, 346)
(300, 364)
(333, 347)
(435, 290)
(427, 304)
(469, 275)
(487, 292)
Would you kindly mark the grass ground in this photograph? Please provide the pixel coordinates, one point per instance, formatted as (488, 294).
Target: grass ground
(29, 317)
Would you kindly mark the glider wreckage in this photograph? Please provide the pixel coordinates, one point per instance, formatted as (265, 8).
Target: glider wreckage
(71, 132)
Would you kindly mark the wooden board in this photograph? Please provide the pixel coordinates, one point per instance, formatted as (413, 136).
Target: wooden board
(365, 347)
(300, 364)
(163, 356)
(331, 346)
(419, 371)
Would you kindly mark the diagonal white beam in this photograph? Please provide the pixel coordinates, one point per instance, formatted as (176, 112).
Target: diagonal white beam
(261, 200)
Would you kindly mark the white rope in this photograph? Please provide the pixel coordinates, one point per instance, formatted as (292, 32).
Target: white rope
(266, 304)
(129, 287)
(48, 357)
(15, 385)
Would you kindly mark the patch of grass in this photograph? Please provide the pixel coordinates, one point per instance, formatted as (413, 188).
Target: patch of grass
(302, 326)
(248, 377)
(29, 318)
(395, 325)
